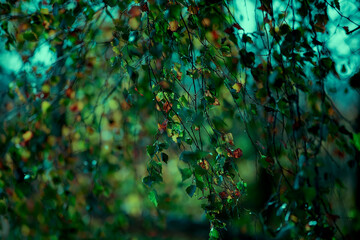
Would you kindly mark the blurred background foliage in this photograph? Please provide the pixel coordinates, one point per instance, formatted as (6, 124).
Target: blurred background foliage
(85, 92)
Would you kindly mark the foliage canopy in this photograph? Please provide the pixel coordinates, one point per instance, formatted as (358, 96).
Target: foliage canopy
(133, 85)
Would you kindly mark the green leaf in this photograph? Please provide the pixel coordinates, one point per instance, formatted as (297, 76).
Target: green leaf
(247, 58)
(3, 207)
(263, 161)
(356, 141)
(192, 157)
(199, 181)
(174, 12)
(309, 193)
(147, 181)
(214, 233)
(157, 50)
(326, 62)
(284, 29)
(339, 183)
(355, 81)
(30, 36)
(285, 232)
(198, 119)
(6, 7)
(162, 146)
(185, 173)
(153, 197)
(219, 123)
(150, 149)
(191, 190)
(111, 3)
(164, 157)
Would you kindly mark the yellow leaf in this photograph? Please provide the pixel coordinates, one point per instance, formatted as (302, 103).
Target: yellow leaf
(25, 154)
(237, 87)
(27, 135)
(65, 131)
(134, 23)
(45, 106)
(25, 230)
(175, 137)
(113, 104)
(116, 50)
(44, 11)
(46, 88)
(215, 181)
(176, 119)
(242, 79)
(80, 105)
(229, 138)
(51, 140)
(20, 95)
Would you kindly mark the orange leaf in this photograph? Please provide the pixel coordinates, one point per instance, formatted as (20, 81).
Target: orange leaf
(216, 102)
(193, 9)
(215, 35)
(70, 93)
(167, 106)
(173, 25)
(162, 127)
(204, 164)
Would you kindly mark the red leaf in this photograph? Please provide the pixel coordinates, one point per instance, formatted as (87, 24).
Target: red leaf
(237, 26)
(229, 30)
(215, 35)
(135, 11)
(74, 107)
(138, 91)
(237, 153)
(9, 191)
(223, 195)
(332, 218)
(269, 160)
(144, 7)
(262, 8)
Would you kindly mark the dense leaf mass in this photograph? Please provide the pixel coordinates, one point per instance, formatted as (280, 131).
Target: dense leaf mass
(123, 114)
